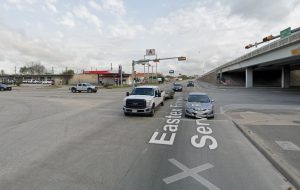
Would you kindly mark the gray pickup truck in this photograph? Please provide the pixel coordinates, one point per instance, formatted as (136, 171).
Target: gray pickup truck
(87, 87)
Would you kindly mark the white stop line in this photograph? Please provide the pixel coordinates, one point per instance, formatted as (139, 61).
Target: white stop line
(192, 173)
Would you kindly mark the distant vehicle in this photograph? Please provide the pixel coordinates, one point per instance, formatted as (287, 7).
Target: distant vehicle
(84, 87)
(143, 100)
(190, 84)
(169, 93)
(4, 87)
(47, 82)
(199, 105)
(177, 87)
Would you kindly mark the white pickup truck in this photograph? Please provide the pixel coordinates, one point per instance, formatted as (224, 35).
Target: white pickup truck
(84, 87)
(143, 100)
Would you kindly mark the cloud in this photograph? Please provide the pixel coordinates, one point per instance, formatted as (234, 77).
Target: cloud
(18, 48)
(95, 5)
(261, 9)
(125, 31)
(208, 33)
(51, 5)
(68, 20)
(83, 13)
(115, 7)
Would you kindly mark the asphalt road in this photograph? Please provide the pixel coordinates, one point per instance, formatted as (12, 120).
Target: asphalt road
(55, 140)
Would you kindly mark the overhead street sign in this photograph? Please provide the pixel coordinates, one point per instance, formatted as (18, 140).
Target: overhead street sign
(181, 58)
(171, 71)
(286, 32)
(150, 52)
(295, 51)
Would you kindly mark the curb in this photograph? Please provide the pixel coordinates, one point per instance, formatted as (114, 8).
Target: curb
(281, 165)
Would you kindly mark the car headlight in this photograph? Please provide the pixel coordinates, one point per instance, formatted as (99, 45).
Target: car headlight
(148, 102)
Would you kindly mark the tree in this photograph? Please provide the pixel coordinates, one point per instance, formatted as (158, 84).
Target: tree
(24, 70)
(68, 72)
(34, 68)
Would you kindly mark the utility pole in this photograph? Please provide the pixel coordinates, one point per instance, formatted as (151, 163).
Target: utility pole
(121, 74)
(15, 70)
(133, 74)
(111, 67)
(152, 74)
(148, 74)
(144, 72)
(156, 71)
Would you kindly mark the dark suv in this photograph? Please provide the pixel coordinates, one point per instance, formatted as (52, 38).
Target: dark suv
(4, 87)
(190, 84)
(177, 87)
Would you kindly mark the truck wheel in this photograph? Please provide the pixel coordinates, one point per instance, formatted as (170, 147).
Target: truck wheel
(73, 90)
(89, 90)
(152, 111)
(126, 114)
(162, 103)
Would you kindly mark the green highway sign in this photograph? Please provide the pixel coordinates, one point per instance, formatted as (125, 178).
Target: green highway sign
(286, 32)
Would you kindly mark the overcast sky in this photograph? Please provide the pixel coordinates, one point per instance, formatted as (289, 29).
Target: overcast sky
(85, 34)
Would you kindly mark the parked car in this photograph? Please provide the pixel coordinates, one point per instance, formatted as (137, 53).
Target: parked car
(143, 100)
(190, 84)
(47, 82)
(4, 87)
(177, 87)
(84, 87)
(199, 105)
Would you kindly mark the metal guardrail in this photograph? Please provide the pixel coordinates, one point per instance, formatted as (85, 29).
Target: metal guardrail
(267, 48)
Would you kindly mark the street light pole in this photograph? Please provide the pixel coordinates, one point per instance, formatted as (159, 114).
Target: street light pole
(133, 74)
(152, 74)
(148, 74)
(156, 72)
(144, 72)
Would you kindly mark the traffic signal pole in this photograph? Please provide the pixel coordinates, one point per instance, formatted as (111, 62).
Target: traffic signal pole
(147, 61)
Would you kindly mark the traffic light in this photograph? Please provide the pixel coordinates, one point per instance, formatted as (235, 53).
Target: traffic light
(268, 38)
(181, 58)
(248, 46)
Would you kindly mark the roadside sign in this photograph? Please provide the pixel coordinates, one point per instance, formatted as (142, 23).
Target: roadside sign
(181, 58)
(286, 32)
(295, 51)
(171, 71)
(150, 52)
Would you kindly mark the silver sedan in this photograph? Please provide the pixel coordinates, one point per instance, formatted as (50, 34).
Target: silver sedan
(199, 105)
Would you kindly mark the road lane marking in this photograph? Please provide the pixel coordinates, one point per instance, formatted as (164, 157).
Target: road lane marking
(288, 145)
(171, 126)
(191, 173)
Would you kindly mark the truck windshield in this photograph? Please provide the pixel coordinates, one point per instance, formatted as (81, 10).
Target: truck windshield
(143, 91)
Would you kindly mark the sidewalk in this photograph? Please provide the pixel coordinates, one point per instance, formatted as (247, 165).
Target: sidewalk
(276, 133)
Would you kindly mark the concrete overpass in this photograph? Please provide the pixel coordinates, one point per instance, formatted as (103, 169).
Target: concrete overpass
(270, 65)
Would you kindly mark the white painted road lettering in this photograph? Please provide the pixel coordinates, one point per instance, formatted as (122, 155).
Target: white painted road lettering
(200, 141)
(186, 172)
(288, 145)
(171, 126)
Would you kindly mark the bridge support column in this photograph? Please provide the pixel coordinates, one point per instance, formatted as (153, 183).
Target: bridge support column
(249, 77)
(285, 76)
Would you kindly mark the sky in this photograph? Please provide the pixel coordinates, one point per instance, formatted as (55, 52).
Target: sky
(93, 34)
